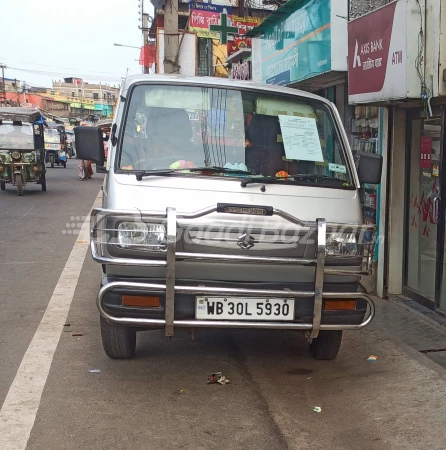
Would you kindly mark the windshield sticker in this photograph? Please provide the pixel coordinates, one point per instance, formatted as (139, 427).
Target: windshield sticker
(177, 97)
(435, 170)
(323, 163)
(269, 106)
(279, 138)
(337, 168)
(301, 138)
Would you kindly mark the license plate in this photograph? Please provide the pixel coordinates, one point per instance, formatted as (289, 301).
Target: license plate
(240, 308)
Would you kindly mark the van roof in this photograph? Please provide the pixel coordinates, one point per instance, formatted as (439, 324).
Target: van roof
(216, 82)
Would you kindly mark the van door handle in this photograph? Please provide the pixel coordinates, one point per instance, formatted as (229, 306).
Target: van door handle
(436, 212)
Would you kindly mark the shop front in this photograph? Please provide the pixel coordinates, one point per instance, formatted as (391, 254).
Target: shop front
(303, 45)
(388, 76)
(424, 268)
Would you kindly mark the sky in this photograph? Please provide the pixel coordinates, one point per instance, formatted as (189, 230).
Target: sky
(54, 39)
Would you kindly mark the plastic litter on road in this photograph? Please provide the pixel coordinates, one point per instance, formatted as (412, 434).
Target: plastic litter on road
(372, 358)
(94, 370)
(217, 377)
(317, 409)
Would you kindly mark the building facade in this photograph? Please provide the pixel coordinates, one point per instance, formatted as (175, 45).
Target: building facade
(85, 98)
(210, 33)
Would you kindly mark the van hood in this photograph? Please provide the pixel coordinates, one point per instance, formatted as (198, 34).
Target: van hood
(188, 194)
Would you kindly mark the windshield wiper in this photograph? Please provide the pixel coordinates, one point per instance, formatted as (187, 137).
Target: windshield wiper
(213, 169)
(147, 173)
(292, 178)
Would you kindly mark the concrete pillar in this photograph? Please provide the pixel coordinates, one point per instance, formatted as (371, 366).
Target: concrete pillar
(383, 189)
(397, 200)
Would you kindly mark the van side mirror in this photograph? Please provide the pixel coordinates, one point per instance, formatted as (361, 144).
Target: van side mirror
(370, 168)
(90, 144)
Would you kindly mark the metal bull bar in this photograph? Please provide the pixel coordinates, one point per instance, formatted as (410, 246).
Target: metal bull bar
(171, 256)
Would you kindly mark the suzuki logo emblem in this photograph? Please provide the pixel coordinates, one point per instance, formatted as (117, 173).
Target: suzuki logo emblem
(245, 241)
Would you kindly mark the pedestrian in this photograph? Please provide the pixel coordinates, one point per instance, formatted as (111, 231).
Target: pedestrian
(82, 172)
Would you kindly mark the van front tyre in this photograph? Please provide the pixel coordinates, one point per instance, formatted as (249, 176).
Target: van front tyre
(326, 346)
(119, 342)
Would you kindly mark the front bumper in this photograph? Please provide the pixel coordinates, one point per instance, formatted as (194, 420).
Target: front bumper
(177, 295)
(113, 288)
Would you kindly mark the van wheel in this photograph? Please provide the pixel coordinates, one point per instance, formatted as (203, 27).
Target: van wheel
(119, 342)
(326, 346)
(2, 185)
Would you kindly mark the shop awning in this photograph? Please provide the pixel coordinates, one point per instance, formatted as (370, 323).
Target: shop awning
(281, 14)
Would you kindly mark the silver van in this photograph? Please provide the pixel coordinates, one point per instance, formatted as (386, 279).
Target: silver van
(229, 205)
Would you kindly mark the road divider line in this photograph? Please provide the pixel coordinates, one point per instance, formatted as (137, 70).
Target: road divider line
(21, 404)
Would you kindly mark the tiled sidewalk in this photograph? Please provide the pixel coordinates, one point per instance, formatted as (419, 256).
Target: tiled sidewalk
(412, 325)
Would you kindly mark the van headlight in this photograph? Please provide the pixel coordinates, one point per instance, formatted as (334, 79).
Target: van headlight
(140, 235)
(341, 244)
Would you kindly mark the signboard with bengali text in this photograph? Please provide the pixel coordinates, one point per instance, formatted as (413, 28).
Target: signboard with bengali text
(298, 46)
(244, 24)
(202, 15)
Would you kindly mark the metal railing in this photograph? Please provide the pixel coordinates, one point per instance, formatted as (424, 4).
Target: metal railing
(167, 255)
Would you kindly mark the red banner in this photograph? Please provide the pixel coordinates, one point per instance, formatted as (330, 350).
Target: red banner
(147, 56)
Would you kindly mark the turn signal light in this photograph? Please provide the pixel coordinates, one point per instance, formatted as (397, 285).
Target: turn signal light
(337, 305)
(35, 169)
(1, 168)
(140, 300)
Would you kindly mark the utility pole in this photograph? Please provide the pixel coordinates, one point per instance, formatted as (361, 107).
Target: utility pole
(24, 93)
(171, 36)
(82, 99)
(3, 91)
(145, 33)
(241, 8)
(16, 91)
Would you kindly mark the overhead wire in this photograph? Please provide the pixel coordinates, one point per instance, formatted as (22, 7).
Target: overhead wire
(50, 73)
(55, 67)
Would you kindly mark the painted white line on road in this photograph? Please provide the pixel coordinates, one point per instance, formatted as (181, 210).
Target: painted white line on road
(20, 407)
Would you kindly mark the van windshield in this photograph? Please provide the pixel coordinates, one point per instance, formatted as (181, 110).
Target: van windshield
(254, 134)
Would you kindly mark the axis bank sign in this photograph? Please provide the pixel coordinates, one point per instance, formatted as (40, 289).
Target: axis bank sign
(377, 55)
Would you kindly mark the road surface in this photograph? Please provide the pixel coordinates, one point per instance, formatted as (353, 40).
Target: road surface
(160, 399)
